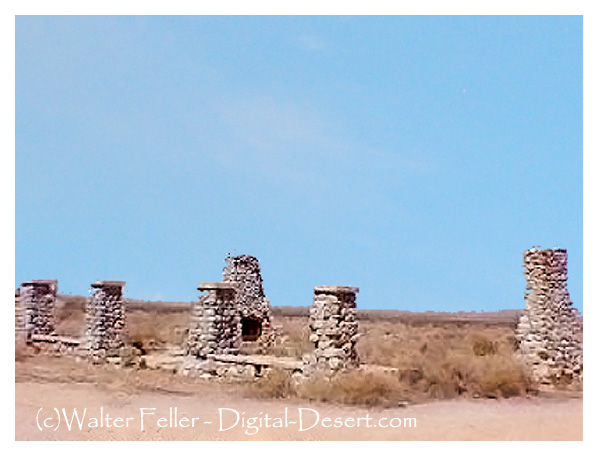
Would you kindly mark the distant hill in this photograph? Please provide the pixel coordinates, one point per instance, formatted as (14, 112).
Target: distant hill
(503, 316)
(507, 316)
(79, 300)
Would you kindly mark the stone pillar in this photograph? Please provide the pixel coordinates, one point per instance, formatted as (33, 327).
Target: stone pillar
(334, 329)
(215, 322)
(105, 318)
(549, 331)
(20, 334)
(38, 300)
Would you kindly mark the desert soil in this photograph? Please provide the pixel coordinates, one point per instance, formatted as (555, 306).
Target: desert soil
(49, 384)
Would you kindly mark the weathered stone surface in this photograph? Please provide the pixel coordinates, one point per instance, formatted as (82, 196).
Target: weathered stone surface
(105, 316)
(336, 290)
(334, 330)
(215, 322)
(211, 285)
(243, 272)
(37, 300)
(20, 333)
(549, 332)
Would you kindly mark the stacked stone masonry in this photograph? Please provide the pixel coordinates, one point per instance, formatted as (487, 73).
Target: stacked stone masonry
(105, 315)
(37, 299)
(243, 272)
(334, 330)
(19, 317)
(549, 332)
(215, 322)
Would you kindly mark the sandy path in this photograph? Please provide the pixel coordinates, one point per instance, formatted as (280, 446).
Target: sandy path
(514, 419)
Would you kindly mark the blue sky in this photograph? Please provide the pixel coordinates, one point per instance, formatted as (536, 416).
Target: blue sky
(413, 157)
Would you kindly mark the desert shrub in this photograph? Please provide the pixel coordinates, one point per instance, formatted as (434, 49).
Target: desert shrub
(21, 352)
(294, 339)
(145, 331)
(443, 374)
(71, 305)
(353, 387)
(436, 372)
(154, 328)
(460, 364)
(276, 383)
(482, 346)
(70, 316)
(430, 359)
(386, 343)
(502, 376)
(446, 360)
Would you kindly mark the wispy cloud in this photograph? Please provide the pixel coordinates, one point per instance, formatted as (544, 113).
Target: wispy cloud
(299, 149)
(286, 141)
(311, 42)
(272, 124)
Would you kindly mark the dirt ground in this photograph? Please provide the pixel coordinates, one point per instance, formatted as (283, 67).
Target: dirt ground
(456, 378)
(193, 409)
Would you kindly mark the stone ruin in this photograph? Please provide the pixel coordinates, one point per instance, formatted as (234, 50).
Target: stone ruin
(549, 332)
(215, 335)
(215, 322)
(35, 308)
(232, 313)
(235, 311)
(20, 335)
(217, 327)
(35, 304)
(105, 316)
(334, 330)
(243, 272)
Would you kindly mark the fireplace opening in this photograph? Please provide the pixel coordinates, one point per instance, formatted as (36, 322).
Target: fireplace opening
(251, 329)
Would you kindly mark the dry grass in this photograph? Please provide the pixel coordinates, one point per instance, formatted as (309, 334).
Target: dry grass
(155, 329)
(447, 360)
(22, 352)
(447, 375)
(428, 358)
(354, 388)
(425, 361)
(275, 383)
(70, 317)
(149, 328)
(293, 341)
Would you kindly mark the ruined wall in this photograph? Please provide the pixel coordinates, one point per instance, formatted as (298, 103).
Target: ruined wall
(334, 330)
(38, 300)
(20, 334)
(215, 322)
(549, 332)
(105, 318)
(243, 272)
